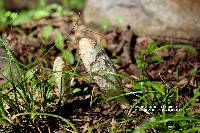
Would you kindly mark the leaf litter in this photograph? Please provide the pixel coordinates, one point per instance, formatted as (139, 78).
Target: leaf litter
(85, 108)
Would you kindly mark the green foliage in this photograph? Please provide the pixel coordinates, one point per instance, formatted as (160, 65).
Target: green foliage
(46, 32)
(181, 120)
(41, 13)
(151, 53)
(141, 64)
(6, 18)
(105, 24)
(120, 19)
(74, 4)
(157, 59)
(42, 3)
(30, 94)
(178, 46)
(170, 124)
(29, 74)
(196, 71)
(1, 3)
(163, 98)
(159, 102)
(149, 50)
(59, 41)
(155, 94)
(14, 18)
(22, 17)
(68, 56)
(59, 10)
(76, 90)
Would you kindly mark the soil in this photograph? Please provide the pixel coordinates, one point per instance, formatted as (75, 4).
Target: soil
(175, 71)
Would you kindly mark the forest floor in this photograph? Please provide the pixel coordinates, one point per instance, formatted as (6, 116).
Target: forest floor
(85, 109)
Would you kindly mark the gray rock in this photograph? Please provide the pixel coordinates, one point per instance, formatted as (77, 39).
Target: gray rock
(3, 64)
(5, 67)
(156, 18)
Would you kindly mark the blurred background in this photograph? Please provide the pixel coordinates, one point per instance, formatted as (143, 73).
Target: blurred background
(16, 5)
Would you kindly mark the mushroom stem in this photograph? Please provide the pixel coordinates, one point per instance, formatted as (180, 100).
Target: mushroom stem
(102, 70)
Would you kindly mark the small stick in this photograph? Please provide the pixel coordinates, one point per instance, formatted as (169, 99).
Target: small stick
(102, 70)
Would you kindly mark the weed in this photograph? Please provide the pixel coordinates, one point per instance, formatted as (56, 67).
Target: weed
(105, 24)
(27, 100)
(160, 101)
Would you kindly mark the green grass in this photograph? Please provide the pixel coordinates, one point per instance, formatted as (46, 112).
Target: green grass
(28, 93)
(31, 95)
(27, 98)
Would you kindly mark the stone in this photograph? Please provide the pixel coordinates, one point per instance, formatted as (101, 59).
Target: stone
(3, 64)
(5, 67)
(154, 18)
